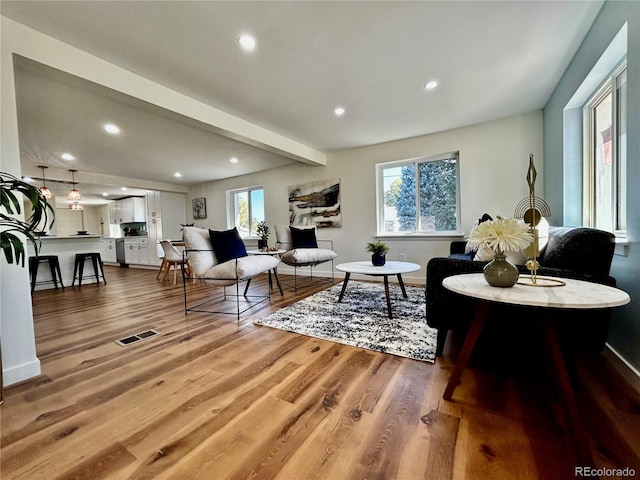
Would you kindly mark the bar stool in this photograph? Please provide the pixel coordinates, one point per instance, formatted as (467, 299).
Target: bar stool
(96, 259)
(54, 266)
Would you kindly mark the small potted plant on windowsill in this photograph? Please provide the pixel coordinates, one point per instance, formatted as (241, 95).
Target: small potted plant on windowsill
(378, 251)
(263, 231)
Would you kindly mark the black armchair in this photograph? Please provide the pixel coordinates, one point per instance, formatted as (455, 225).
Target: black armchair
(578, 253)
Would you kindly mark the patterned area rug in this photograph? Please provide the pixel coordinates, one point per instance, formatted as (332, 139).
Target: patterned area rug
(361, 319)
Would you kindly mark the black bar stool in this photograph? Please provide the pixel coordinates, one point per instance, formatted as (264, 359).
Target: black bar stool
(54, 266)
(96, 259)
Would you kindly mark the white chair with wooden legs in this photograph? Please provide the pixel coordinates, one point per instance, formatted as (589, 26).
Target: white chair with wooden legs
(173, 257)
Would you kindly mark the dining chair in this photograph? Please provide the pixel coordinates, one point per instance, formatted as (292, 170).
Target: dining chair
(173, 257)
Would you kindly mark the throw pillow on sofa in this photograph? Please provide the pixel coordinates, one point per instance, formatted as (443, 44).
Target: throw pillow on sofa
(227, 244)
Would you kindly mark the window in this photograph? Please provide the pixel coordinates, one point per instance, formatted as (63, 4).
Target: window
(246, 210)
(605, 155)
(419, 196)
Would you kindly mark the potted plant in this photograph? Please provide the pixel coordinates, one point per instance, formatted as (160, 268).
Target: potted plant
(378, 251)
(41, 211)
(263, 231)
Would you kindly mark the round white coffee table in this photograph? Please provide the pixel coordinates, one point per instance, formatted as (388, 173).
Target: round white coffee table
(367, 268)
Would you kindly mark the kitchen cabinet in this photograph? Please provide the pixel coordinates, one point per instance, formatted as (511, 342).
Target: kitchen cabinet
(127, 210)
(165, 217)
(136, 251)
(108, 250)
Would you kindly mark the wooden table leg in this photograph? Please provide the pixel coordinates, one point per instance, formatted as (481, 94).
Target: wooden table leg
(404, 291)
(386, 292)
(558, 370)
(275, 274)
(479, 319)
(344, 286)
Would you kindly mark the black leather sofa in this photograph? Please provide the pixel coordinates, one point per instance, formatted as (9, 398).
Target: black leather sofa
(578, 253)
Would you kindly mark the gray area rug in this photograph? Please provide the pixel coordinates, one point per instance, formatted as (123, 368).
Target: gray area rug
(361, 319)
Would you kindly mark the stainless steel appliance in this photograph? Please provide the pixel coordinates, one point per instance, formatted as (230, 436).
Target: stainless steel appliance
(120, 258)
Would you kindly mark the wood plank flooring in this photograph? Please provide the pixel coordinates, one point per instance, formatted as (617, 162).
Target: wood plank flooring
(213, 398)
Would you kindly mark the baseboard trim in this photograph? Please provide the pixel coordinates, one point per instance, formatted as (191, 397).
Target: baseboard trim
(21, 372)
(628, 371)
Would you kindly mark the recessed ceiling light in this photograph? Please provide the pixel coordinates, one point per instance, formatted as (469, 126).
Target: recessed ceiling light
(247, 42)
(105, 194)
(177, 174)
(27, 179)
(124, 189)
(431, 85)
(233, 160)
(111, 128)
(67, 156)
(339, 111)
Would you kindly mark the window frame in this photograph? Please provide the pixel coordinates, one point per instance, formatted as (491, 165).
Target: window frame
(231, 195)
(589, 191)
(380, 219)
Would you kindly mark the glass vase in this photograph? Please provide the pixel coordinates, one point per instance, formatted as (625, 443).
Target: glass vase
(500, 273)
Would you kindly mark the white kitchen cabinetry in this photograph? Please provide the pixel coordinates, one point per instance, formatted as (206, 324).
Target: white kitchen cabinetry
(136, 251)
(165, 217)
(108, 250)
(127, 210)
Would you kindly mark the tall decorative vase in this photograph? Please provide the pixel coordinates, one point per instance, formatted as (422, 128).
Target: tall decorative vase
(378, 259)
(500, 273)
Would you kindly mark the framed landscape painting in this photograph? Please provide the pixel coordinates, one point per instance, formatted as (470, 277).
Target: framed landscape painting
(315, 203)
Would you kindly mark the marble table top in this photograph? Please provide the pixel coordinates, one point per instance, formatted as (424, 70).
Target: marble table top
(574, 294)
(389, 268)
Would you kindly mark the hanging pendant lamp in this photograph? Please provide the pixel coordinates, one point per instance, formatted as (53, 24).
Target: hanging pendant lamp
(44, 190)
(74, 194)
(75, 206)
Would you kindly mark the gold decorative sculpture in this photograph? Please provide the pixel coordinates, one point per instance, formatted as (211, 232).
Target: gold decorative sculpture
(531, 209)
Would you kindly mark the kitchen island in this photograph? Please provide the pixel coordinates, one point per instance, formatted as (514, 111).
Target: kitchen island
(65, 247)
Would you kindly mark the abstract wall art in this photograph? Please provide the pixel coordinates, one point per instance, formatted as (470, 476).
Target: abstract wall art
(315, 203)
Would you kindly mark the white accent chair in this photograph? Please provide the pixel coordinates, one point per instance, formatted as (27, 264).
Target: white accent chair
(173, 258)
(304, 257)
(207, 271)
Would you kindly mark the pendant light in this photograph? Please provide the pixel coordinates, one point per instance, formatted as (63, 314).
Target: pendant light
(75, 206)
(74, 195)
(44, 190)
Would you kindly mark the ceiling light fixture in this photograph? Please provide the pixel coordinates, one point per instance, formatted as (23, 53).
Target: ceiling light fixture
(247, 42)
(44, 190)
(177, 174)
(233, 160)
(431, 85)
(105, 194)
(339, 111)
(75, 206)
(124, 189)
(74, 194)
(67, 156)
(112, 129)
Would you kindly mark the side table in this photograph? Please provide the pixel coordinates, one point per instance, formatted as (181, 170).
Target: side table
(575, 294)
(278, 252)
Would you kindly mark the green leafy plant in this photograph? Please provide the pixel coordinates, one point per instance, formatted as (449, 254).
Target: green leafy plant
(377, 247)
(41, 212)
(262, 229)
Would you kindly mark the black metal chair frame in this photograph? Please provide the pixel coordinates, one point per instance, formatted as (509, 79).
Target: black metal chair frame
(54, 267)
(224, 297)
(98, 268)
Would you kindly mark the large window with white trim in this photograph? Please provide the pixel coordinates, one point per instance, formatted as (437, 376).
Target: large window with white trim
(245, 210)
(605, 155)
(419, 196)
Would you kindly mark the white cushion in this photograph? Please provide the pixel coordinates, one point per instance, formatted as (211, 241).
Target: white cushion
(198, 239)
(230, 272)
(300, 256)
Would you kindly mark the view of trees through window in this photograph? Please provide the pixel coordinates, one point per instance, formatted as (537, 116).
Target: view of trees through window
(421, 196)
(248, 210)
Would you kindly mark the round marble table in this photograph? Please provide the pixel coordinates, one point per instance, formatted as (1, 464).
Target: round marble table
(367, 268)
(574, 294)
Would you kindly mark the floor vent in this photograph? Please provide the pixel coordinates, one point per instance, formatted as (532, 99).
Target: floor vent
(136, 338)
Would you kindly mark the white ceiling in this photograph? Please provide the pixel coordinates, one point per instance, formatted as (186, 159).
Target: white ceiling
(492, 60)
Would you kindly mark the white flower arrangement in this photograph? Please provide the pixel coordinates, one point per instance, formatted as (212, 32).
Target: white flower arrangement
(501, 235)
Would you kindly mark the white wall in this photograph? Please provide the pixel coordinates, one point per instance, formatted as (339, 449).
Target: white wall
(494, 158)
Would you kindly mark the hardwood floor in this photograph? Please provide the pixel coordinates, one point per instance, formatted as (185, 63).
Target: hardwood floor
(212, 398)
